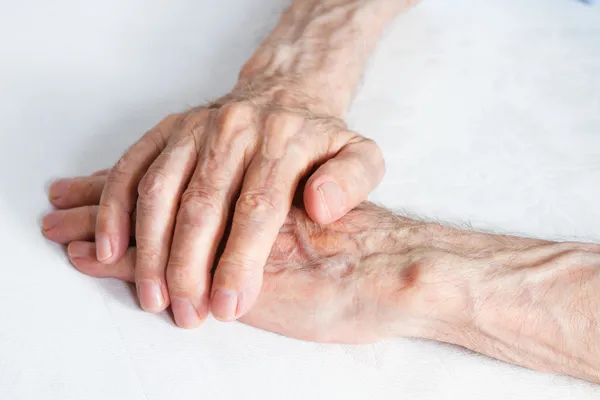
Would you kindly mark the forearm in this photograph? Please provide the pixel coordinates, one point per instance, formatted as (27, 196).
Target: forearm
(537, 307)
(323, 45)
(529, 302)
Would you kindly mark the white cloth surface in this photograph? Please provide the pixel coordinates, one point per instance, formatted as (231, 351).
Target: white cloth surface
(488, 113)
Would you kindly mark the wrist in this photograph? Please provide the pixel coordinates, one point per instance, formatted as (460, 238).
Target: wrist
(412, 283)
(441, 277)
(323, 46)
(264, 70)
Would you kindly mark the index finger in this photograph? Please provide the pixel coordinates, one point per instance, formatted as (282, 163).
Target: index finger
(119, 196)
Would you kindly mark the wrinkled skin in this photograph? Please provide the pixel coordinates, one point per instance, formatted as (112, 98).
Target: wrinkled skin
(374, 275)
(317, 285)
(239, 159)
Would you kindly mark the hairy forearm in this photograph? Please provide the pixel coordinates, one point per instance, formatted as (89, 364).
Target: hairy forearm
(323, 45)
(529, 302)
(535, 304)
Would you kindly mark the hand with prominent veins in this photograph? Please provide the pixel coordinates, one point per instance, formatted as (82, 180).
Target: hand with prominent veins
(373, 275)
(242, 158)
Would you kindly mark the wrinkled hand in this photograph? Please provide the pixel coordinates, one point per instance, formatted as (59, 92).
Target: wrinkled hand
(315, 287)
(374, 274)
(250, 149)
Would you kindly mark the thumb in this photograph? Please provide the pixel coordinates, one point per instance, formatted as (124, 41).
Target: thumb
(344, 181)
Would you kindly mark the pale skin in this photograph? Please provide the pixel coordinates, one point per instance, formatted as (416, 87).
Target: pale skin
(337, 270)
(242, 158)
(374, 275)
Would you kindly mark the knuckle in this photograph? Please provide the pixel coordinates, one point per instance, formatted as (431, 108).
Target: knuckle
(197, 206)
(111, 206)
(178, 274)
(235, 123)
(148, 256)
(280, 129)
(284, 122)
(216, 172)
(258, 204)
(193, 127)
(289, 99)
(195, 117)
(92, 214)
(121, 169)
(152, 185)
(376, 157)
(183, 279)
(155, 139)
(373, 149)
(237, 265)
(170, 120)
(235, 112)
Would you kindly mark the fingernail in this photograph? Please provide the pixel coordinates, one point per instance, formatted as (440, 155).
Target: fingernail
(51, 220)
(80, 250)
(185, 313)
(103, 250)
(224, 304)
(333, 198)
(150, 295)
(59, 189)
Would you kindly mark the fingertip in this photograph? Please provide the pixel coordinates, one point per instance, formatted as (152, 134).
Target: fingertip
(224, 304)
(186, 315)
(104, 252)
(57, 190)
(230, 300)
(152, 296)
(50, 220)
(110, 248)
(324, 200)
(82, 257)
(314, 206)
(81, 250)
(52, 227)
(344, 181)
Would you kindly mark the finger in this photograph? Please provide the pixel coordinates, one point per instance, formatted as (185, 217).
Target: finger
(75, 224)
(260, 211)
(76, 192)
(83, 257)
(344, 181)
(102, 172)
(203, 213)
(65, 226)
(159, 192)
(120, 192)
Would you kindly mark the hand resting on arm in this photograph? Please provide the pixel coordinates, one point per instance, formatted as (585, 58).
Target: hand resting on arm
(373, 275)
(241, 157)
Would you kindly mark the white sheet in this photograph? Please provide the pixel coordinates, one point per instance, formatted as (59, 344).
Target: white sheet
(488, 113)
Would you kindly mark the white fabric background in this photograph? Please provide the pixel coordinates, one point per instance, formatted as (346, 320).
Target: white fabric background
(488, 113)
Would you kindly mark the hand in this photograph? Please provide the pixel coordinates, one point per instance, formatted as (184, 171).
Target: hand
(242, 158)
(373, 275)
(254, 145)
(319, 283)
